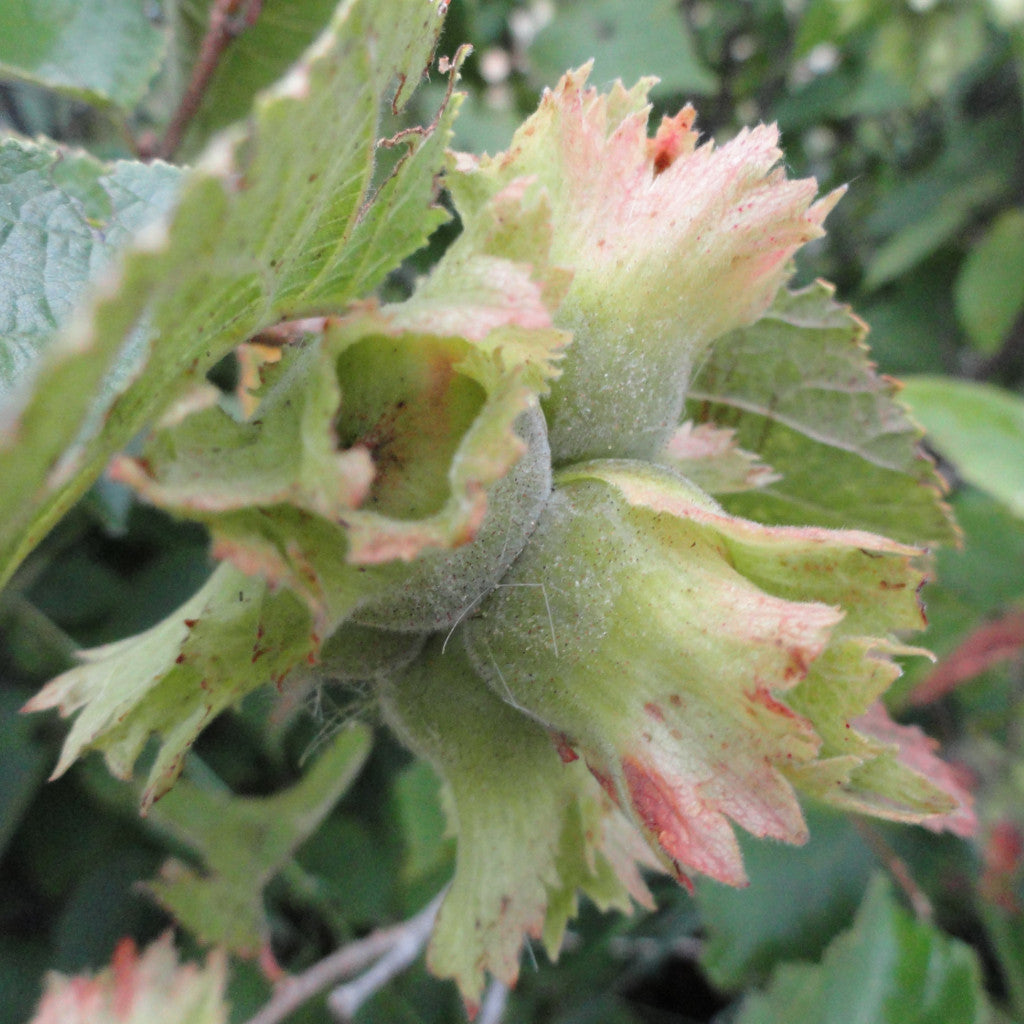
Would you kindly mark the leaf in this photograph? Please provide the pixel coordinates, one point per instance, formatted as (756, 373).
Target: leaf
(275, 221)
(63, 216)
(927, 211)
(750, 931)
(230, 638)
(710, 457)
(801, 394)
(977, 427)
(100, 51)
(147, 988)
(782, 634)
(243, 842)
(257, 57)
(974, 169)
(396, 435)
(530, 829)
(671, 244)
(618, 43)
(907, 248)
(887, 969)
(421, 818)
(989, 289)
(919, 56)
(893, 779)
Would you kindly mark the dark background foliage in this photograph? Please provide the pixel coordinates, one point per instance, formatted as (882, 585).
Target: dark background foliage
(917, 105)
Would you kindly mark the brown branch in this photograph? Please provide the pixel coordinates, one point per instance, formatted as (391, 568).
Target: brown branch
(228, 19)
(345, 1000)
(896, 867)
(345, 962)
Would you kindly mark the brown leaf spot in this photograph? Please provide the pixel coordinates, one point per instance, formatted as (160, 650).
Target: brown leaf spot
(796, 667)
(673, 138)
(654, 711)
(606, 783)
(762, 696)
(564, 747)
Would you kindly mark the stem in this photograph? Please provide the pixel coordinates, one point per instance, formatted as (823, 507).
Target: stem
(225, 25)
(899, 871)
(345, 1000)
(494, 1002)
(349, 960)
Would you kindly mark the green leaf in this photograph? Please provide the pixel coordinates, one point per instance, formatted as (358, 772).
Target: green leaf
(975, 166)
(929, 209)
(751, 930)
(530, 828)
(355, 869)
(710, 457)
(919, 55)
(633, 572)
(151, 988)
(274, 222)
(63, 215)
(905, 249)
(389, 439)
(619, 42)
(671, 243)
(1006, 935)
(421, 817)
(887, 969)
(257, 57)
(978, 427)
(800, 392)
(230, 638)
(990, 287)
(100, 51)
(243, 842)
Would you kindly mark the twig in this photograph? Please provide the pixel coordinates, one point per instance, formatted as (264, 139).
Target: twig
(345, 962)
(225, 24)
(494, 1002)
(899, 871)
(345, 1000)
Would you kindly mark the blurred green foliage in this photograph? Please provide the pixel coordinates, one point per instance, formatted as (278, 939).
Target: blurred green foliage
(917, 105)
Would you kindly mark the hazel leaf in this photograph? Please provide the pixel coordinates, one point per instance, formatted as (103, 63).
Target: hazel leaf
(671, 245)
(100, 51)
(140, 988)
(800, 392)
(256, 58)
(280, 217)
(748, 650)
(531, 829)
(887, 968)
(63, 216)
(660, 41)
(977, 427)
(243, 842)
(230, 638)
